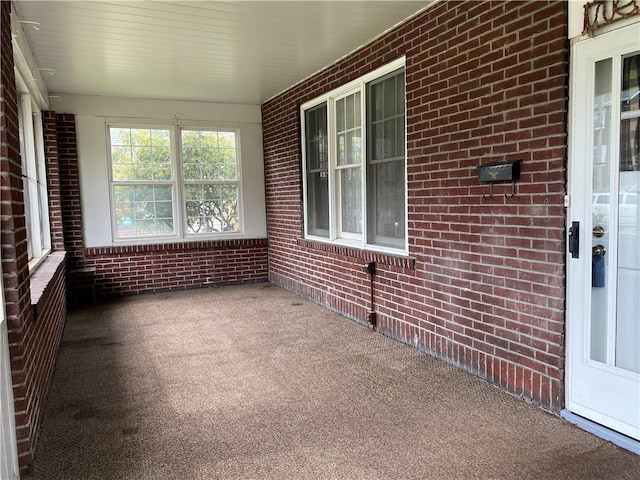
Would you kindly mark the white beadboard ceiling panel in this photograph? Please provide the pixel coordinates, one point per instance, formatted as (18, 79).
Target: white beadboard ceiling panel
(230, 52)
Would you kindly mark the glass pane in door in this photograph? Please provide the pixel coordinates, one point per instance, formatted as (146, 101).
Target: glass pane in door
(627, 355)
(615, 229)
(601, 209)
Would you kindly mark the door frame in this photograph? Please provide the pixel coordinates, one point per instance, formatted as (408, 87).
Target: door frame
(577, 210)
(9, 467)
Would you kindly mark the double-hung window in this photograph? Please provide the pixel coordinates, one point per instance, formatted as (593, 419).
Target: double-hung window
(210, 174)
(354, 163)
(173, 183)
(34, 177)
(348, 176)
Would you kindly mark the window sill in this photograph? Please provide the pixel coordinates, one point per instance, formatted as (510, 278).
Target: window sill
(173, 246)
(45, 276)
(401, 261)
(36, 262)
(132, 242)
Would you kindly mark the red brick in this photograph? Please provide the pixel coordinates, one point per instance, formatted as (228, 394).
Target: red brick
(34, 330)
(507, 109)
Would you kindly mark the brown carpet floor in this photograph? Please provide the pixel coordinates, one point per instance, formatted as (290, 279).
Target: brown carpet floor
(252, 382)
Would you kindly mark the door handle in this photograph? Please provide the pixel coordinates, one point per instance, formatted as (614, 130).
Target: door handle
(574, 239)
(598, 266)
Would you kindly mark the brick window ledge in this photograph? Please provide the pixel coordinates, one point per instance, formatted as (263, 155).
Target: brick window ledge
(44, 278)
(174, 246)
(400, 261)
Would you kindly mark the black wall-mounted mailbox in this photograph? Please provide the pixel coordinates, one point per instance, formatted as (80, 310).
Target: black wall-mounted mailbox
(499, 171)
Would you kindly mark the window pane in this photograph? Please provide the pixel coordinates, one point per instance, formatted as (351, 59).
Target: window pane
(318, 203)
(121, 155)
(350, 113)
(630, 145)
(160, 138)
(376, 101)
(316, 156)
(140, 137)
(140, 154)
(389, 87)
(143, 210)
(162, 161)
(316, 138)
(349, 147)
(120, 136)
(386, 207)
(354, 147)
(631, 84)
(386, 117)
(341, 108)
(348, 138)
(376, 141)
(212, 208)
(630, 128)
(351, 200)
(209, 155)
(386, 155)
(389, 138)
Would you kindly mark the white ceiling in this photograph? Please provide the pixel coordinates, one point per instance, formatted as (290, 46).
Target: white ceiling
(230, 52)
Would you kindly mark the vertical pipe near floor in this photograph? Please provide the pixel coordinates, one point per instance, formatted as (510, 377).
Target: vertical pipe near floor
(370, 268)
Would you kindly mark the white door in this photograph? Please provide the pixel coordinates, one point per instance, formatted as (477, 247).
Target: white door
(603, 271)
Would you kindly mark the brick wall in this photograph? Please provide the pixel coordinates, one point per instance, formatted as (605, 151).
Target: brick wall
(126, 270)
(483, 286)
(50, 132)
(38, 342)
(13, 241)
(35, 302)
(69, 176)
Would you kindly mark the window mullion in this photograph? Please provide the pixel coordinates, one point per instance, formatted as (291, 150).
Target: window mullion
(179, 204)
(331, 167)
(363, 163)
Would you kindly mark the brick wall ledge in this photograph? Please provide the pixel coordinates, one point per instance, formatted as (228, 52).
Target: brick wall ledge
(364, 255)
(175, 246)
(43, 277)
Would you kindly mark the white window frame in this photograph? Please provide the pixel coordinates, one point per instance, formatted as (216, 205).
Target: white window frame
(177, 182)
(336, 236)
(34, 174)
(237, 182)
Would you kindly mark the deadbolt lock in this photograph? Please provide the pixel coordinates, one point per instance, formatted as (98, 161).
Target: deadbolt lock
(598, 231)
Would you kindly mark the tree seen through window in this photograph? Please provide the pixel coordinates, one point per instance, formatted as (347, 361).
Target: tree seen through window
(150, 188)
